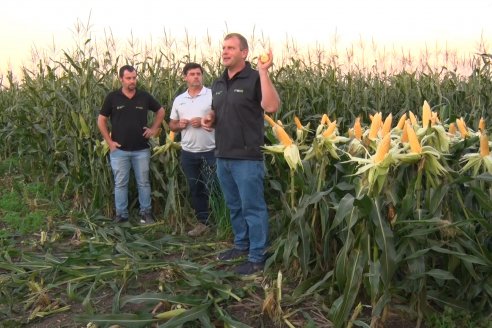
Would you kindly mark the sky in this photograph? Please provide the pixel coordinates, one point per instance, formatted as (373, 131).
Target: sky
(414, 24)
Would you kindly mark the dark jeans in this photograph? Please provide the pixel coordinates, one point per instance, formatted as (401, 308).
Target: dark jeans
(199, 169)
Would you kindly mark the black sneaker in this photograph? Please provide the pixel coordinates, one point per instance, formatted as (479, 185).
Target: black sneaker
(146, 218)
(232, 254)
(119, 219)
(249, 268)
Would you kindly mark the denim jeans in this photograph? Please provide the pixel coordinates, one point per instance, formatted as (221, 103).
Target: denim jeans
(121, 163)
(199, 169)
(242, 184)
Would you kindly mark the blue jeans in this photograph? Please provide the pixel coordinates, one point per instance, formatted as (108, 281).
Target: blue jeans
(242, 184)
(199, 169)
(121, 163)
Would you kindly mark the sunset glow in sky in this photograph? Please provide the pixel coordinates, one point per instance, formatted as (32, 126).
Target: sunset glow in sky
(412, 24)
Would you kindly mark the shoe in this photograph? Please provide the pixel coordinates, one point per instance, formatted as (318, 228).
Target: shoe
(232, 254)
(119, 219)
(198, 230)
(146, 218)
(249, 268)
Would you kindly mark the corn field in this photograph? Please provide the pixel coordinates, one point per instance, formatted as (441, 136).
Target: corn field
(379, 185)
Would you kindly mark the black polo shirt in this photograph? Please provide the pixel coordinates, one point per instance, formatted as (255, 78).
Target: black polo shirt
(239, 125)
(129, 117)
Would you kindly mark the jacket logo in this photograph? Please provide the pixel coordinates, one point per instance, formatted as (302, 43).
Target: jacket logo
(218, 92)
(239, 90)
(139, 107)
(120, 107)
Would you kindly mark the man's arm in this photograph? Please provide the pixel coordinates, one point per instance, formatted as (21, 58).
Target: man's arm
(270, 100)
(102, 124)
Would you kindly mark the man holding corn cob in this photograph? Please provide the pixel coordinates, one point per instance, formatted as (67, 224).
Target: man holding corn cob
(197, 144)
(127, 109)
(239, 99)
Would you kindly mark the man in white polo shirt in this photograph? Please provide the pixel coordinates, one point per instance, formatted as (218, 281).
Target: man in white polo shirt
(197, 144)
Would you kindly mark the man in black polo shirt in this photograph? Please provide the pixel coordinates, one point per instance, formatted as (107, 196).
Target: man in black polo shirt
(128, 142)
(239, 99)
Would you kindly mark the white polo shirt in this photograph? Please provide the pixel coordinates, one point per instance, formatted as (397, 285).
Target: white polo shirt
(185, 106)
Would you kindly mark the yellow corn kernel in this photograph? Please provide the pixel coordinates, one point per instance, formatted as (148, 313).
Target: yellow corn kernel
(401, 122)
(481, 125)
(357, 128)
(484, 145)
(426, 114)
(462, 127)
(171, 135)
(383, 149)
(413, 119)
(270, 120)
(325, 119)
(298, 122)
(331, 128)
(452, 129)
(282, 136)
(413, 140)
(387, 124)
(375, 125)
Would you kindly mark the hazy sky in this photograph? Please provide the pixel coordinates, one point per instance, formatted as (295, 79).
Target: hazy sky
(409, 23)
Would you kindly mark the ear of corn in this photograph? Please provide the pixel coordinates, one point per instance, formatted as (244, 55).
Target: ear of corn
(426, 114)
(401, 122)
(413, 140)
(413, 119)
(481, 125)
(383, 149)
(282, 136)
(298, 122)
(452, 129)
(357, 129)
(387, 125)
(404, 135)
(462, 127)
(270, 120)
(484, 145)
(375, 125)
(435, 118)
(331, 128)
(325, 119)
(171, 135)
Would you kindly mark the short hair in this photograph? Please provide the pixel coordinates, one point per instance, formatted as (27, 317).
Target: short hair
(124, 68)
(189, 66)
(243, 43)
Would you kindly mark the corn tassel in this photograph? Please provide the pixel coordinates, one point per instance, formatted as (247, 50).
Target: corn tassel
(484, 145)
(452, 129)
(375, 125)
(357, 129)
(383, 149)
(413, 140)
(331, 128)
(413, 119)
(462, 127)
(387, 125)
(481, 125)
(426, 114)
(401, 122)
